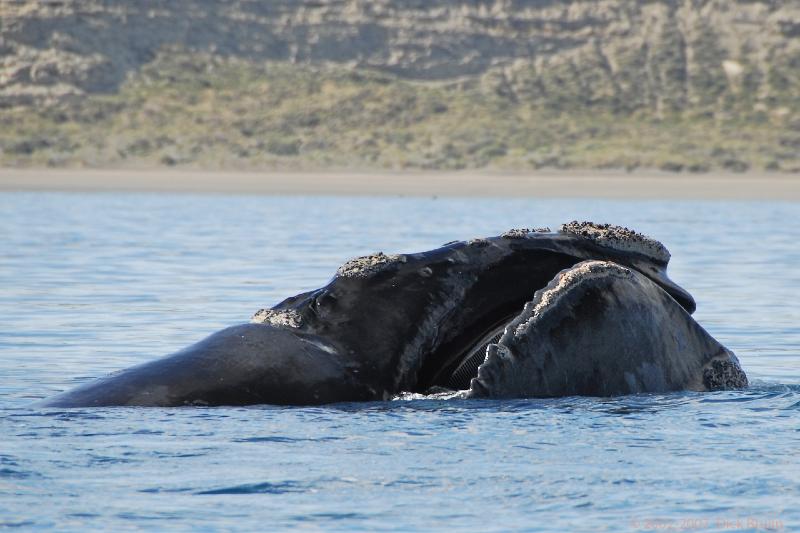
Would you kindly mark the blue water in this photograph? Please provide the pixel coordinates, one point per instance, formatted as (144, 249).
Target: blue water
(91, 283)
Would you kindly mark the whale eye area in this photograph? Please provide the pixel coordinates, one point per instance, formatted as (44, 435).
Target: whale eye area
(324, 301)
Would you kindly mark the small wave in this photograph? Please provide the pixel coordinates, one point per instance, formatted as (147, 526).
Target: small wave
(282, 487)
(12, 473)
(444, 395)
(20, 524)
(286, 440)
(622, 405)
(329, 516)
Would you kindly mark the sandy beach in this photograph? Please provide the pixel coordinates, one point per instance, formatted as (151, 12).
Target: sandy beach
(551, 184)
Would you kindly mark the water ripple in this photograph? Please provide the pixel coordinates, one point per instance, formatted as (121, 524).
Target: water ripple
(259, 488)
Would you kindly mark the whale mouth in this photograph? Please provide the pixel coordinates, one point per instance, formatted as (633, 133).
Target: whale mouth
(496, 301)
(481, 316)
(461, 377)
(454, 365)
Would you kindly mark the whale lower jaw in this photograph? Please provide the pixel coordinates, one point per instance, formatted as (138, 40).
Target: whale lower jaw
(601, 329)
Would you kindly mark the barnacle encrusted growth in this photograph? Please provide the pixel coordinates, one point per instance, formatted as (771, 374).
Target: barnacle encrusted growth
(724, 374)
(564, 282)
(278, 317)
(478, 242)
(618, 238)
(369, 264)
(521, 233)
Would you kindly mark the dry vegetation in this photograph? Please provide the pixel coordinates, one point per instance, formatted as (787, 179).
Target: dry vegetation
(199, 110)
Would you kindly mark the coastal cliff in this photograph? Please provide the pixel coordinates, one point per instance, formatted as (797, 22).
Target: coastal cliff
(673, 84)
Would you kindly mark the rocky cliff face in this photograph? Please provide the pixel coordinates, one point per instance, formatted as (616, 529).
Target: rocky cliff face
(662, 54)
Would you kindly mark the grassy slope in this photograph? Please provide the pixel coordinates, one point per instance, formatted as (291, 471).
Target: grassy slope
(202, 111)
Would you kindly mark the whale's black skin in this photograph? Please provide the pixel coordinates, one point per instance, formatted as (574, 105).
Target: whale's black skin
(383, 325)
(240, 365)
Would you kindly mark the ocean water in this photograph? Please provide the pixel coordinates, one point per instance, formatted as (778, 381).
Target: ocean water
(91, 283)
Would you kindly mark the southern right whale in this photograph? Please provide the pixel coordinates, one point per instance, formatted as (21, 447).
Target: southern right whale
(602, 318)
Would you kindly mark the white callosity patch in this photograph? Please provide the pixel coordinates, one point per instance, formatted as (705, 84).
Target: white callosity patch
(278, 317)
(368, 264)
(618, 238)
(521, 233)
(567, 280)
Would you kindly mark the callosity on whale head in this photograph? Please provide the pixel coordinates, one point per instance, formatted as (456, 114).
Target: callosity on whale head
(407, 322)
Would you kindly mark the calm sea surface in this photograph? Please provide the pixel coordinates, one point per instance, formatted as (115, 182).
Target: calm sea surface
(90, 283)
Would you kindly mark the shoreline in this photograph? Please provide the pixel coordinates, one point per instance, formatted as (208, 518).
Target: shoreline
(547, 184)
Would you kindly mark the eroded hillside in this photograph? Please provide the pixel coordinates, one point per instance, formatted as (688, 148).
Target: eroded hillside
(680, 85)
